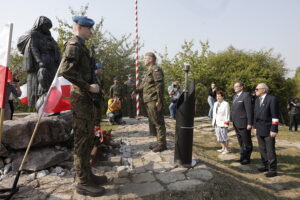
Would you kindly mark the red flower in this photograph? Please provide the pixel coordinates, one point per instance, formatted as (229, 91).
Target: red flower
(97, 128)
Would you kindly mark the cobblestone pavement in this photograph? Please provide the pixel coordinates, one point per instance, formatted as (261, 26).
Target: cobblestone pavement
(136, 173)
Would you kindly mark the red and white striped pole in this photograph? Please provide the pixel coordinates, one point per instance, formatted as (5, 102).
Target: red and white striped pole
(137, 59)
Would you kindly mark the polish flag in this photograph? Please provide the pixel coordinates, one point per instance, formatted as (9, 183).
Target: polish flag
(23, 98)
(58, 97)
(5, 42)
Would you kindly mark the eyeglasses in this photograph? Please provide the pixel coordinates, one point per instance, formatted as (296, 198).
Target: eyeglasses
(256, 89)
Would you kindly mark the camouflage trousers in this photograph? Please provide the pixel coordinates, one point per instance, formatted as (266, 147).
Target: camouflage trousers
(156, 122)
(130, 107)
(83, 127)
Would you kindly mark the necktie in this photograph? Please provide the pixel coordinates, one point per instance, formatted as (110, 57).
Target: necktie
(236, 97)
(260, 101)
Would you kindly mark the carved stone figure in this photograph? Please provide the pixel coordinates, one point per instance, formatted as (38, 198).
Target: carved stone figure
(41, 58)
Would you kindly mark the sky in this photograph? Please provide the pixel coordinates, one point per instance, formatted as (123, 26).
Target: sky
(251, 25)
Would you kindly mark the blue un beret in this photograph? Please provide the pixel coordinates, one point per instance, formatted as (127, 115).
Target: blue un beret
(116, 79)
(130, 75)
(83, 21)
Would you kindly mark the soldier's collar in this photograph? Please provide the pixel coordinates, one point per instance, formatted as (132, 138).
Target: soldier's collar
(81, 39)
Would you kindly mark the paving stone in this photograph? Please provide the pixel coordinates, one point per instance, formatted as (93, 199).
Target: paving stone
(64, 192)
(202, 174)
(116, 160)
(137, 162)
(143, 177)
(135, 190)
(179, 169)
(168, 166)
(121, 180)
(157, 167)
(184, 185)
(170, 177)
(154, 157)
(200, 166)
(139, 170)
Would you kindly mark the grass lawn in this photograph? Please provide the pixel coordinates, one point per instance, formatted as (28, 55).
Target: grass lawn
(284, 186)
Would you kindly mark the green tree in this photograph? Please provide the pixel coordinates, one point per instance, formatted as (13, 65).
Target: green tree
(296, 81)
(225, 68)
(115, 54)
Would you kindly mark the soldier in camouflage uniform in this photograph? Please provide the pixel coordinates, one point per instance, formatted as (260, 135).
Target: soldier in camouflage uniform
(129, 87)
(100, 98)
(116, 89)
(152, 89)
(76, 67)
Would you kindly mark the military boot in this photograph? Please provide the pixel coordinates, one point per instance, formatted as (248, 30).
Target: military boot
(98, 180)
(89, 189)
(159, 148)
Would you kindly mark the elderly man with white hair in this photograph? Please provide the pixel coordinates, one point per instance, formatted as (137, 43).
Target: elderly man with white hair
(266, 114)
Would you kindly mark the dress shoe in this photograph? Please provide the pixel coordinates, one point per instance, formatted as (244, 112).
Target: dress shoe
(271, 174)
(262, 169)
(89, 189)
(98, 180)
(245, 162)
(159, 148)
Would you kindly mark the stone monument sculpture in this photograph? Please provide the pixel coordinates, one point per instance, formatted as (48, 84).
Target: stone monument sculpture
(41, 58)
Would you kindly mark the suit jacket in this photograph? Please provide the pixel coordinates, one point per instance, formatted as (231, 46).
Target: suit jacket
(221, 114)
(242, 111)
(266, 116)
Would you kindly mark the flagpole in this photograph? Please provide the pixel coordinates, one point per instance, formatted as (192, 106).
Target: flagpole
(40, 113)
(137, 60)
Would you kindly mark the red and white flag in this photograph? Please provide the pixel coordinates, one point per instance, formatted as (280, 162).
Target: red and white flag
(57, 98)
(5, 42)
(24, 98)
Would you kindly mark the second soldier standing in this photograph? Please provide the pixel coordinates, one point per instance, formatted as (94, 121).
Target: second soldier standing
(152, 89)
(129, 87)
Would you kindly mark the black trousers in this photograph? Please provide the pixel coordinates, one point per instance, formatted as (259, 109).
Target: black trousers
(245, 142)
(293, 121)
(267, 152)
(12, 108)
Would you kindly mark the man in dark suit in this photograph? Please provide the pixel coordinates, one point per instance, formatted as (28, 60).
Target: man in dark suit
(266, 119)
(242, 118)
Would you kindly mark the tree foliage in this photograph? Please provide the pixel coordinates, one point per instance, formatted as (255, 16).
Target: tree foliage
(296, 81)
(225, 68)
(115, 54)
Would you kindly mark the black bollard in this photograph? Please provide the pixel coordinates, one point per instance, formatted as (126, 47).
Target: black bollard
(185, 113)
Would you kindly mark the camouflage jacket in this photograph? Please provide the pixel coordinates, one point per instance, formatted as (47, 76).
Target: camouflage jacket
(76, 66)
(152, 86)
(116, 90)
(129, 87)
